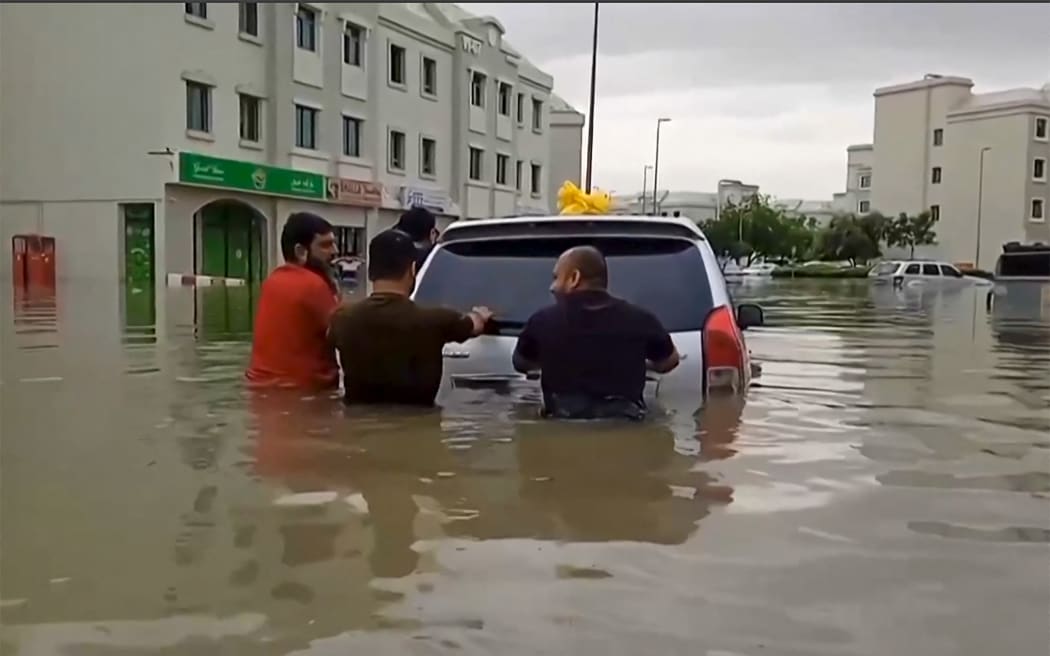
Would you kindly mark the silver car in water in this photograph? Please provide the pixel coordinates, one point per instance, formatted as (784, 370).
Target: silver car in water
(663, 264)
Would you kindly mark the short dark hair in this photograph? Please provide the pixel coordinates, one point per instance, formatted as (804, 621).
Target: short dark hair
(590, 262)
(390, 255)
(300, 230)
(417, 223)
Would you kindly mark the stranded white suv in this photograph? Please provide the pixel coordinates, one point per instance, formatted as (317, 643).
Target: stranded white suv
(660, 263)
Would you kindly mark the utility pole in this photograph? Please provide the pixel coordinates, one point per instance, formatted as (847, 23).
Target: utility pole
(645, 185)
(656, 165)
(590, 112)
(980, 198)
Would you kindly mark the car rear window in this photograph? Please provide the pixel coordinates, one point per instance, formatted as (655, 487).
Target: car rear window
(513, 277)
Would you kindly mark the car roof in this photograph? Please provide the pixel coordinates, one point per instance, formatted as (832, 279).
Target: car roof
(571, 225)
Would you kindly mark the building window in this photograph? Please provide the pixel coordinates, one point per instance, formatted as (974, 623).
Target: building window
(248, 21)
(430, 76)
(397, 150)
(865, 181)
(1042, 128)
(477, 157)
(250, 118)
(197, 9)
(502, 164)
(521, 109)
(351, 136)
(938, 137)
(935, 212)
(397, 65)
(517, 171)
(935, 176)
(864, 206)
(353, 45)
(537, 172)
(306, 28)
(1039, 169)
(198, 107)
(1038, 210)
(427, 157)
(504, 98)
(477, 89)
(306, 127)
(537, 114)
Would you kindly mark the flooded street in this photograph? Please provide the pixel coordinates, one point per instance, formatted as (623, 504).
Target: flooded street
(885, 489)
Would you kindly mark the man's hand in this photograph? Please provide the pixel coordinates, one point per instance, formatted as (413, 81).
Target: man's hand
(481, 316)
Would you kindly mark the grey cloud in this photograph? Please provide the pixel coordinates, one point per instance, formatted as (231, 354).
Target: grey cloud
(726, 43)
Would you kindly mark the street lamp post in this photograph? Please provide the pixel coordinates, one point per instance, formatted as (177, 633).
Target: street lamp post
(980, 198)
(656, 164)
(645, 185)
(590, 112)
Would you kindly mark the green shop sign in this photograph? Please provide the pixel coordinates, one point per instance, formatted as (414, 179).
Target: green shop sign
(246, 176)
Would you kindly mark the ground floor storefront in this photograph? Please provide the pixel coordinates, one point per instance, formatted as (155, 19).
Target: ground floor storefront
(215, 217)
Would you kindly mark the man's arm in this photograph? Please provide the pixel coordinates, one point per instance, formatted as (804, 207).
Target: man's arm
(457, 327)
(526, 358)
(660, 352)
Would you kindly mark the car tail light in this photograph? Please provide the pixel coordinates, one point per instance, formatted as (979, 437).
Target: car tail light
(723, 352)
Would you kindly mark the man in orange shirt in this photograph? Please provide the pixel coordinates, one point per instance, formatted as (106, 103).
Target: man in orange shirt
(290, 346)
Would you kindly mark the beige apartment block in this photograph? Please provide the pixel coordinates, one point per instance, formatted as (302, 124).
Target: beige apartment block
(979, 162)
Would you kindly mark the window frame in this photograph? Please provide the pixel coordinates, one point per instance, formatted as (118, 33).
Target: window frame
(938, 137)
(1040, 202)
(206, 110)
(509, 97)
(402, 69)
(391, 140)
(1036, 161)
(423, 141)
(478, 83)
(242, 18)
(349, 29)
(423, 69)
(935, 212)
(357, 123)
(1046, 128)
(475, 170)
(198, 10)
(537, 115)
(861, 179)
(861, 209)
(519, 173)
(302, 10)
(936, 175)
(255, 116)
(535, 189)
(315, 114)
(520, 108)
(504, 159)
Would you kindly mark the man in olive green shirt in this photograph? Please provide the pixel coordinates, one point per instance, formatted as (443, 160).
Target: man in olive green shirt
(389, 347)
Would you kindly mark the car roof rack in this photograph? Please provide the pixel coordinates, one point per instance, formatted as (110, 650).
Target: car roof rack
(576, 226)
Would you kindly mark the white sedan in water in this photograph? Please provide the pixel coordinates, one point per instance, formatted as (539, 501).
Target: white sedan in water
(764, 270)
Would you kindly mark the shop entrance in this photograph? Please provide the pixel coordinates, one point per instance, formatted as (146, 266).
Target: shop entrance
(230, 239)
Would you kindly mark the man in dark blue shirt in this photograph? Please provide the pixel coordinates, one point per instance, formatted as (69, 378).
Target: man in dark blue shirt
(592, 348)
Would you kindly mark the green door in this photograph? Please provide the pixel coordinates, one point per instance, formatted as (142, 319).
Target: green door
(213, 241)
(257, 255)
(139, 254)
(238, 243)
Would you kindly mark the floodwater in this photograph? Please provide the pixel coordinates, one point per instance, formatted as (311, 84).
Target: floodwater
(885, 489)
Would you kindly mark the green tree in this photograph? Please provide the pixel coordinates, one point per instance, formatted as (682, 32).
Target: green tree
(848, 238)
(911, 231)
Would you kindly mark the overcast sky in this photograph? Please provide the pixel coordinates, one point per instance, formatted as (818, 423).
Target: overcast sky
(768, 94)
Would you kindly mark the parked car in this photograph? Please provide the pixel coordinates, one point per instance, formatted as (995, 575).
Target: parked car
(663, 264)
(764, 270)
(901, 273)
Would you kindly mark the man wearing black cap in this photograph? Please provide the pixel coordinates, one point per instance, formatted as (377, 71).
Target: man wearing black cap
(419, 224)
(391, 348)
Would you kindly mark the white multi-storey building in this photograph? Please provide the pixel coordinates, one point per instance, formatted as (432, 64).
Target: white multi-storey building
(978, 162)
(183, 145)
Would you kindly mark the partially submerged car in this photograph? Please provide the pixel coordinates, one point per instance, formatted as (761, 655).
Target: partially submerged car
(910, 273)
(663, 264)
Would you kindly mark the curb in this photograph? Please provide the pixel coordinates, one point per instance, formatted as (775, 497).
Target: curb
(190, 280)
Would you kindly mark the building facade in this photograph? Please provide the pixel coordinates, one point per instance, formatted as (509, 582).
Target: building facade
(566, 147)
(186, 153)
(977, 162)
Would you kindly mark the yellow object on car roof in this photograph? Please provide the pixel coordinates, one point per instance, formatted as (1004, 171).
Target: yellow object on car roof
(574, 201)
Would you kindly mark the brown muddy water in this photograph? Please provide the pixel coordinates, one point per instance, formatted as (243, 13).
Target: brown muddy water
(884, 490)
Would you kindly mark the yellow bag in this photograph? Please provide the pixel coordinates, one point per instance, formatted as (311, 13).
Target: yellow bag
(574, 201)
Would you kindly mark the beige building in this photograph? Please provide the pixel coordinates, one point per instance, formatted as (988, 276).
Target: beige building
(926, 154)
(857, 197)
(183, 150)
(566, 147)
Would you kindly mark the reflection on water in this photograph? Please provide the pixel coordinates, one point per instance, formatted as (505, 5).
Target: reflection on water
(886, 479)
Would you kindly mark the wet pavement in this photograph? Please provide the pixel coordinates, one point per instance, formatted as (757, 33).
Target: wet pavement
(885, 489)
